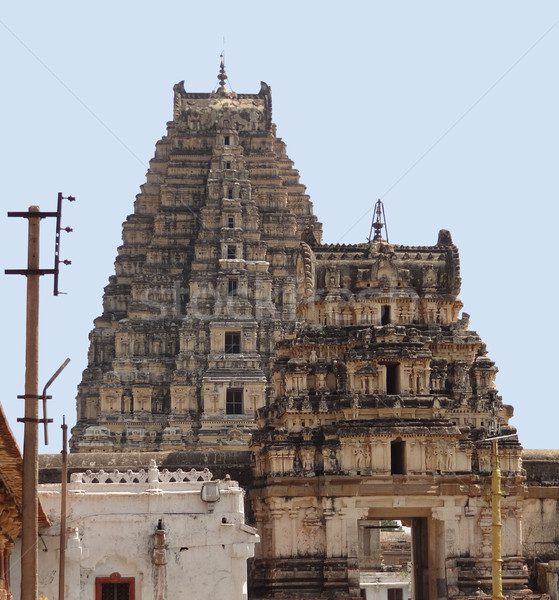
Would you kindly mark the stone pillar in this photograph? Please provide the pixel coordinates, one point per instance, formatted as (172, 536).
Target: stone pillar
(74, 552)
(519, 541)
(293, 516)
(484, 524)
(352, 538)
(470, 513)
(385, 456)
(241, 552)
(328, 513)
(265, 546)
(413, 457)
(342, 512)
(450, 515)
(370, 553)
(437, 555)
(372, 454)
(276, 514)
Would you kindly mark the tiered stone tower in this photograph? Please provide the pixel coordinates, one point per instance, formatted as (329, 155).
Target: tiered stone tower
(204, 285)
(348, 369)
(382, 402)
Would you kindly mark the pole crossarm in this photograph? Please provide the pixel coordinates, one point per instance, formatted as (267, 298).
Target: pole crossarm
(37, 215)
(29, 271)
(33, 215)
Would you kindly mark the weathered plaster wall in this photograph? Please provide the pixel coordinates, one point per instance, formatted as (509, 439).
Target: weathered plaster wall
(112, 528)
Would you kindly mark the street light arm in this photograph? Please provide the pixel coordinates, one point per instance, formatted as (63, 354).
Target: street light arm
(44, 396)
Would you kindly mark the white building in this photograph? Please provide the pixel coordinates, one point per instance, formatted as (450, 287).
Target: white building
(147, 535)
(386, 585)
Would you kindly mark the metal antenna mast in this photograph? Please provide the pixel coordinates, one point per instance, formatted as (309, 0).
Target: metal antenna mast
(379, 224)
(30, 510)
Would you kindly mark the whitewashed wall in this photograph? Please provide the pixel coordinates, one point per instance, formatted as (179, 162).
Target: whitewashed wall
(377, 584)
(111, 528)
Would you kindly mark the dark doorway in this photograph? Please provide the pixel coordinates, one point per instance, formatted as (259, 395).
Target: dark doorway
(392, 379)
(397, 457)
(384, 314)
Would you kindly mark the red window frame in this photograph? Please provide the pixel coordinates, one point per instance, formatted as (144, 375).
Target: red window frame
(115, 578)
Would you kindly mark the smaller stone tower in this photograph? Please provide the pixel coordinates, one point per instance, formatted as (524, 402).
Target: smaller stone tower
(380, 401)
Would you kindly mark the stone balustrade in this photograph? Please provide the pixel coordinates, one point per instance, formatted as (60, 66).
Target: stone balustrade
(151, 475)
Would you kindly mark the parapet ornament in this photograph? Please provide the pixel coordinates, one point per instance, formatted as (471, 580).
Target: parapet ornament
(141, 476)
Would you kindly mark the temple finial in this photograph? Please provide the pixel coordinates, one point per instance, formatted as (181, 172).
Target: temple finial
(222, 77)
(378, 223)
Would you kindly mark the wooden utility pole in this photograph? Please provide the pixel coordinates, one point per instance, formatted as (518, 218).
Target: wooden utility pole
(30, 509)
(63, 493)
(30, 513)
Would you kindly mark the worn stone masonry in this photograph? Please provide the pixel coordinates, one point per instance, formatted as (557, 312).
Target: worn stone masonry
(205, 284)
(347, 371)
(381, 403)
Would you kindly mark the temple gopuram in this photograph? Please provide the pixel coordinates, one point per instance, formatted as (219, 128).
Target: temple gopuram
(340, 384)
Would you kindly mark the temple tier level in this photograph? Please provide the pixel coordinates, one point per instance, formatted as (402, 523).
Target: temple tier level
(347, 371)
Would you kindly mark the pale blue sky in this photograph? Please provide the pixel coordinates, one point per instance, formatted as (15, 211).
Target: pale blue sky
(447, 111)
